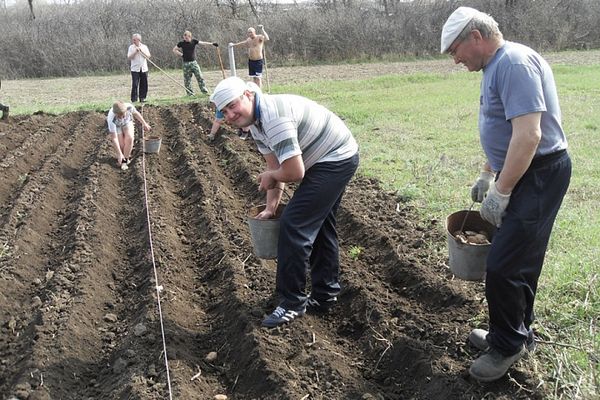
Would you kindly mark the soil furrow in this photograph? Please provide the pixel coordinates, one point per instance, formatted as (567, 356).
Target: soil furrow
(216, 278)
(29, 157)
(240, 171)
(78, 293)
(45, 275)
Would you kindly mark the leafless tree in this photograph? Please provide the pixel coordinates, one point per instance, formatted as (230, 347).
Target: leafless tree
(73, 37)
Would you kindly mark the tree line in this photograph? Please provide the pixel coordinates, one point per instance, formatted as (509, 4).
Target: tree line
(79, 37)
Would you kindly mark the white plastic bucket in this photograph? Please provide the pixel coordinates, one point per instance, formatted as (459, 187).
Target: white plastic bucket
(264, 232)
(468, 260)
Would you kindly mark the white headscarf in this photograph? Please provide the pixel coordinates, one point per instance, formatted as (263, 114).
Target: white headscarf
(230, 89)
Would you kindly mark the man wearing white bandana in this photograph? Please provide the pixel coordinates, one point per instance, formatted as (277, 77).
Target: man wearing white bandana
(304, 142)
(522, 184)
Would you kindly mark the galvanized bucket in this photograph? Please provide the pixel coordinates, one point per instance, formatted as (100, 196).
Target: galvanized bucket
(264, 232)
(468, 260)
(152, 144)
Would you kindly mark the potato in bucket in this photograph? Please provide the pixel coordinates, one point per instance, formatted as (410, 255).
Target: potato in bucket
(468, 249)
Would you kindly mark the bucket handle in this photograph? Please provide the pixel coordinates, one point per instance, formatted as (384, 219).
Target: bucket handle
(462, 226)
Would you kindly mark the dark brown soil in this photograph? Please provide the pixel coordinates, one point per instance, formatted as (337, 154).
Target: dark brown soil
(79, 317)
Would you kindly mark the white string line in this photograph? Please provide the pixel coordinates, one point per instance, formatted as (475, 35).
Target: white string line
(158, 288)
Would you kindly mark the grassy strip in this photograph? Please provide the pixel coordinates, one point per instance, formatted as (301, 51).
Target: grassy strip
(418, 134)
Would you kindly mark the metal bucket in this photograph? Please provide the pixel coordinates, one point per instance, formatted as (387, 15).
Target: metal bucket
(468, 260)
(264, 232)
(152, 144)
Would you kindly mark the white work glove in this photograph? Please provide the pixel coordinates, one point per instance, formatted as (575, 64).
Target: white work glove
(261, 27)
(494, 206)
(229, 44)
(481, 186)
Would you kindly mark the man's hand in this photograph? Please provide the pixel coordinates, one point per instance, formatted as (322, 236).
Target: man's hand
(261, 27)
(215, 44)
(481, 186)
(494, 206)
(266, 181)
(265, 214)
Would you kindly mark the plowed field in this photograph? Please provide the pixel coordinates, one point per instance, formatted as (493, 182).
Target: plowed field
(79, 316)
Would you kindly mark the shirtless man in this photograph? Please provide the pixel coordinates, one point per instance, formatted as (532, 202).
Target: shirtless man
(255, 44)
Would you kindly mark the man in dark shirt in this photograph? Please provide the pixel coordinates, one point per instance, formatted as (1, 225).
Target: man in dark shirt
(187, 50)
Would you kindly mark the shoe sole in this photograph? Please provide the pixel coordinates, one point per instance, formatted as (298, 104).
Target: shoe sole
(498, 376)
(486, 378)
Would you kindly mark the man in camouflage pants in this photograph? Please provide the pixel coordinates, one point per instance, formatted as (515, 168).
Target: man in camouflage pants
(186, 49)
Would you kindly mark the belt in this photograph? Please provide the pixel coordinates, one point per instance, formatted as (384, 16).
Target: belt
(546, 159)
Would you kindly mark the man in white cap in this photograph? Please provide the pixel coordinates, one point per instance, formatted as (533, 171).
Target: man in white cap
(522, 183)
(304, 142)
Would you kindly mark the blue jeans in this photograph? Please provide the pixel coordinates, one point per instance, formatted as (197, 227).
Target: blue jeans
(308, 237)
(518, 248)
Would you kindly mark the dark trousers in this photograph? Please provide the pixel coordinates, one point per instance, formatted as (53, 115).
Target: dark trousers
(139, 82)
(518, 248)
(308, 237)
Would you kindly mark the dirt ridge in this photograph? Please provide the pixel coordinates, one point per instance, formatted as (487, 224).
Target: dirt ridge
(78, 304)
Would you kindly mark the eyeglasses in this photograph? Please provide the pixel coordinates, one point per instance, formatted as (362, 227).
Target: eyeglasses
(452, 51)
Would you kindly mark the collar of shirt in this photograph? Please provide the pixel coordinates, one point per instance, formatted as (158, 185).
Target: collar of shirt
(257, 122)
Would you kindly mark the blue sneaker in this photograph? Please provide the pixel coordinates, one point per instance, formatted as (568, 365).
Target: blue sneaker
(320, 306)
(281, 316)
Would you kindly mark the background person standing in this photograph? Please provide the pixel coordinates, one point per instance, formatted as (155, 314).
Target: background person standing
(255, 44)
(137, 55)
(521, 185)
(187, 50)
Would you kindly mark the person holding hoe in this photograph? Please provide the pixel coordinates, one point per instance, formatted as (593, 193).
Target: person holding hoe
(137, 54)
(120, 130)
(255, 44)
(522, 184)
(303, 142)
(187, 50)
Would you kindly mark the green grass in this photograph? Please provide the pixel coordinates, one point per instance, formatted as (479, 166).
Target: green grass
(418, 135)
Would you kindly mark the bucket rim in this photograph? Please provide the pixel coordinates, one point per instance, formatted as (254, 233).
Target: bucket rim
(487, 226)
(255, 210)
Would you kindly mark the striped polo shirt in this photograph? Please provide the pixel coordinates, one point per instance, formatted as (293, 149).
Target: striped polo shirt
(289, 125)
